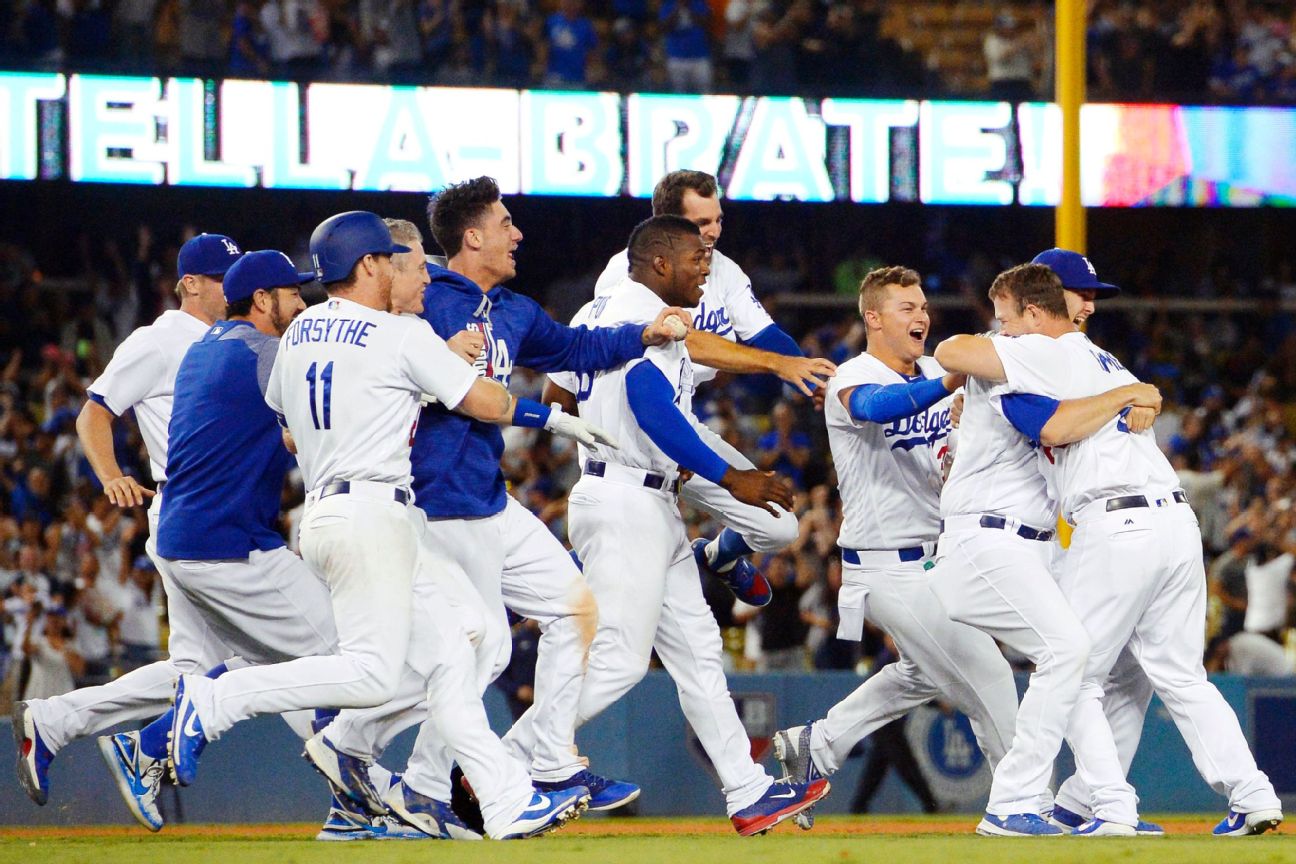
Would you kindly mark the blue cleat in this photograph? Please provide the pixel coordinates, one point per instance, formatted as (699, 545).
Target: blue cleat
(346, 821)
(348, 776)
(138, 776)
(1103, 828)
(1237, 824)
(792, 749)
(1148, 829)
(605, 794)
(1018, 825)
(432, 819)
(782, 800)
(1068, 820)
(34, 757)
(746, 582)
(548, 811)
(187, 739)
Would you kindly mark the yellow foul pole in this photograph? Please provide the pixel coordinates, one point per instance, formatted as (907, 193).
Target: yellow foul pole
(1069, 75)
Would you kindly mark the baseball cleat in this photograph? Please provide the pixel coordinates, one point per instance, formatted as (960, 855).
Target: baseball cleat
(1103, 828)
(1237, 824)
(187, 738)
(346, 821)
(138, 776)
(430, 817)
(1018, 825)
(1067, 820)
(782, 800)
(746, 582)
(548, 811)
(792, 749)
(605, 794)
(347, 775)
(1148, 829)
(34, 757)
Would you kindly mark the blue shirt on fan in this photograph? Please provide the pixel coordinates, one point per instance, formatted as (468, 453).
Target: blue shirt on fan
(226, 460)
(456, 459)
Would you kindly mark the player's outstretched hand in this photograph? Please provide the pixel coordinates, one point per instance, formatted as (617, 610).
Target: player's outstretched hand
(468, 344)
(956, 411)
(806, 373)
(759, 489)
(568, 426)
(1145, 396)
(662, 331)
(125, 492)
(1140, 419)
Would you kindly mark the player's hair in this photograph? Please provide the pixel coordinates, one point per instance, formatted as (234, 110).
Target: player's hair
(668, 194)
(239, 308)
(657, 236)
(404, 231)
(873, 287)
(458, 207)
(1031, 285)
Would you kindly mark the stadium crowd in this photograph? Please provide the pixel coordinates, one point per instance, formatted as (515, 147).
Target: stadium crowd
(82, 603)
(1159, 50)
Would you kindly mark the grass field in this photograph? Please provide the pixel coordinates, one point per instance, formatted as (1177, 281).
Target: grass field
(835, 840)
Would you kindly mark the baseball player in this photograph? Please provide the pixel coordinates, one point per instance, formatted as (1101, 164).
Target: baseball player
(219, 541)
(729, 309)
(141, 376)
(359, 531)
(1134, 571)
(626, 527)
(888, 416)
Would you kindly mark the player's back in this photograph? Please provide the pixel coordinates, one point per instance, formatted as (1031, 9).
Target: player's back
(342, 381)
(141, 375)
(888, 473)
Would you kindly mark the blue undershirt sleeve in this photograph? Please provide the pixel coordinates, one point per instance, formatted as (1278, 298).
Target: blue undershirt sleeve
(1029, 413)
(652, 401)
(875, 403)
(772, 338)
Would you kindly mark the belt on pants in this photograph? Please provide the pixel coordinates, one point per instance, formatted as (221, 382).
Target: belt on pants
(1127, 501)
(347, 487)
(1001, 523)
(625, 474)
(884, 557)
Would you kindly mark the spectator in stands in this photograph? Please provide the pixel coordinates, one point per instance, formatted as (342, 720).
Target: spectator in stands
(297, 30)
(52, 662)
(39, 27)
(203, 49)
(517, 681)
(570, 40)
(688, 52)
(249, 48)
(133, 24)
(627, 56)
(436, 22)
(776, 36)
(785, 448)
(510, 36)
(738, 48)
(1011, 53)
(138, 630)
(390, 28)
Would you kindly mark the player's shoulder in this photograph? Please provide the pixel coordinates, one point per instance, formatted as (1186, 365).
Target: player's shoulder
(930, 368)
(618, 268)
(726, 273)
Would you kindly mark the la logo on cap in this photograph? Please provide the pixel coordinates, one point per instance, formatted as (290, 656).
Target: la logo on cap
(230, 246)
(1092, 271)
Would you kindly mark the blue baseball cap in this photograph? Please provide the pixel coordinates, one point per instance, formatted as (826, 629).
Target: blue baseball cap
(1075, 271)
(207, 255)
(340, 241)
(261, 271)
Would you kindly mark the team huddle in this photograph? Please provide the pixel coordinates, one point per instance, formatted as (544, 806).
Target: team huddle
(389, 397)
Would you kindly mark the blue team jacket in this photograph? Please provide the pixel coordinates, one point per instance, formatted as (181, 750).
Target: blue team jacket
(456, 459)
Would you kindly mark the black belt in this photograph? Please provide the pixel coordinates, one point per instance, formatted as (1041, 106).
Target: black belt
(912, 553)
(652, 480)
(1024, 531)
(1128, 501)
(343, 487)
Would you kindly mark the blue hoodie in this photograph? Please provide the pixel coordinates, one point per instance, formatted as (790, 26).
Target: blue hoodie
(456, 459)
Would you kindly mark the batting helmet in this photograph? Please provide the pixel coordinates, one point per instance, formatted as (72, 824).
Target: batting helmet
(340, 241)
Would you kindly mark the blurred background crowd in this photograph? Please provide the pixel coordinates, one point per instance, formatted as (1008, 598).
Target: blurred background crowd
(1188, 51)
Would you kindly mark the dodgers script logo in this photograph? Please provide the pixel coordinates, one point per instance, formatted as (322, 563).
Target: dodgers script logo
(925, 429)
(713, 319)
(495, 361)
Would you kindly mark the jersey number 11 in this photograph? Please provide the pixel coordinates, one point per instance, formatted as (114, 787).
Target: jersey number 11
(326, 385)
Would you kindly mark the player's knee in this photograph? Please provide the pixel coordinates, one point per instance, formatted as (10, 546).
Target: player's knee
(1072, 653)
(584, 613)
(772, 534)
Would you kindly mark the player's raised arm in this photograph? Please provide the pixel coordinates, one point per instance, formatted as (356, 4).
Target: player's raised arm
(971, 355)
(803, 373)
(884, 403)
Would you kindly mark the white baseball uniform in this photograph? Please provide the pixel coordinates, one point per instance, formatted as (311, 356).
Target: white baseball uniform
(890, 481)
(141, 375)
(728, 308)
(993, 572)
(1134, 575)
(625, 525)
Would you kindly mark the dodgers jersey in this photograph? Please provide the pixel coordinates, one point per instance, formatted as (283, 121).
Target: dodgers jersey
(995, 471)
(226, 462)
(141, 375)
(348, 380)
(602, 396)
(728, 307)
(456, 459)
(889, 474)
(1112, 461)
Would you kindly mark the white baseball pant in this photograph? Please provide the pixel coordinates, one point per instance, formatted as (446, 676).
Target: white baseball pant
(939, 658)
(999, 582)
(763, 532)
(1136, 578)
(641, 569)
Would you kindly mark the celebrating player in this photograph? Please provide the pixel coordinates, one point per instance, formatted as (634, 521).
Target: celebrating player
(140, 376)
